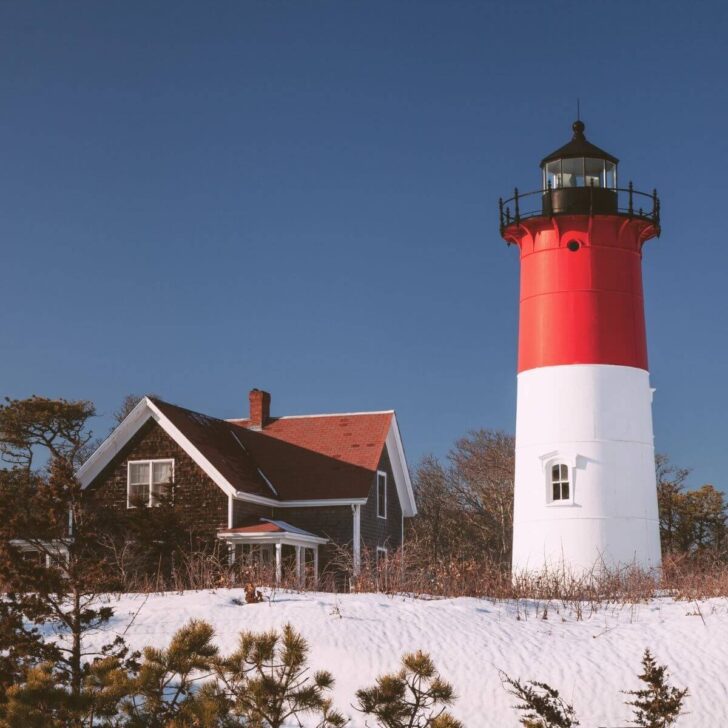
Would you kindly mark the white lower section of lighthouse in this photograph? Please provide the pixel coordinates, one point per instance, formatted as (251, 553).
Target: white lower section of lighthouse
(585, 492)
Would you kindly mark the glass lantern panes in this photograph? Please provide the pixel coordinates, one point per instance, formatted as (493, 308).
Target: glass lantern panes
(552, 174)
(594, 172)
(610, 175)
(560, 482)
(572, 172)
(138, 482)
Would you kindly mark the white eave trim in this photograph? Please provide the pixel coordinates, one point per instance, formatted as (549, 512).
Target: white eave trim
(128, 428)
(113, 444)
(323, 414)
(401, 471)
(290, 539)
(262, 500)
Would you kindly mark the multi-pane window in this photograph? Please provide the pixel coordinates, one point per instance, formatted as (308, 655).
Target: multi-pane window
(560, 482)
(381, 495)
(149, 481)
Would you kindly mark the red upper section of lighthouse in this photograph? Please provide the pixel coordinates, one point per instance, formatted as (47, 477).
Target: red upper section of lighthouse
(581, 291)
(581, 238)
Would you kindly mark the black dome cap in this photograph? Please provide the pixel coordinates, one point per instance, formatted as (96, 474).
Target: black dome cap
(578, 147)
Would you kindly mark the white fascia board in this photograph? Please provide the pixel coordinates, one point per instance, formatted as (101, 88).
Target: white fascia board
(113, 444)
(191, 450)
(323, 414)
(401, 471)
(262, 500)
(289, 539)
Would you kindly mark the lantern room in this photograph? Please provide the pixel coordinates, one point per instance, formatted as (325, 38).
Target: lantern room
(579, 178)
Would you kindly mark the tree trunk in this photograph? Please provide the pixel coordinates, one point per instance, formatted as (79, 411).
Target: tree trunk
(76, 629)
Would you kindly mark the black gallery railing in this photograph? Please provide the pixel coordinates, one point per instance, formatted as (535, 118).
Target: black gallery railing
(545, 203)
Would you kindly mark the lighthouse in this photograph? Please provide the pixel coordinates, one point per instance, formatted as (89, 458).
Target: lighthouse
(585, 490)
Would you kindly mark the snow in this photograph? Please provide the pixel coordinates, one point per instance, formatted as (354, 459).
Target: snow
(359, 636)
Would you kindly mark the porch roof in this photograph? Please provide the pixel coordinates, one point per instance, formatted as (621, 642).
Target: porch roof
(270, 531)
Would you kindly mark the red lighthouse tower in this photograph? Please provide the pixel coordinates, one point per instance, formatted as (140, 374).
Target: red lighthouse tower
(585, 492)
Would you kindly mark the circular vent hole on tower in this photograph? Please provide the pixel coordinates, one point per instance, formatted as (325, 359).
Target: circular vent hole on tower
(573, 245)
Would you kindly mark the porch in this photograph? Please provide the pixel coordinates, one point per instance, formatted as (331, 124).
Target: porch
(293, 551)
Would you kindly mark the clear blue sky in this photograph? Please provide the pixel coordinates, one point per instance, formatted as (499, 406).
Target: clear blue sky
(199, 198)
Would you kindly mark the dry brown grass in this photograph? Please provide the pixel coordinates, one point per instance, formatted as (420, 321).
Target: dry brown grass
(404, 572)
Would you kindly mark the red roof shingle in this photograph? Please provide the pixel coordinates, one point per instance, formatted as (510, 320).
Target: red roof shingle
(291, 458)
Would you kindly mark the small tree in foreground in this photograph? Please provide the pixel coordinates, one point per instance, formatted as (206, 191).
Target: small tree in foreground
(541, 705)
(268, 683)
(164, 691)
(414, 697)
(51, 569)
(658, 704)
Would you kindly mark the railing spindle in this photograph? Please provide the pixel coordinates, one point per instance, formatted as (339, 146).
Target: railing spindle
(631, 210)
(546, 206)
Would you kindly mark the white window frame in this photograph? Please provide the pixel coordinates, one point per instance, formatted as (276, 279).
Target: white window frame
(557, 458)
(381, 550)
(149, 462)
(382, 473)
(561, 481)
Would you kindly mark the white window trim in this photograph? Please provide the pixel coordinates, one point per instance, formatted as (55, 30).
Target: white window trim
(382, 550)
(382, 473)
(548, 461)
(151, 474)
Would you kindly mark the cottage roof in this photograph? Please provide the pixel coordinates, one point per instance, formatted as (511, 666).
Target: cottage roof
(326, 459)
(297, 458)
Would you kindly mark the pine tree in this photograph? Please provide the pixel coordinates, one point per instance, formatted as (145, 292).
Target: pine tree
(51, 567)
(40, 701)
(21, 648)
(541, 705)
(414, 697)
(165, 693)
(267, 680)
(658, 704)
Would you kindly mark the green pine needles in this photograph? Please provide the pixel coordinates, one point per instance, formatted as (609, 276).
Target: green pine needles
(414, 697)
(267, 681)
(541, 705)
(658, 704)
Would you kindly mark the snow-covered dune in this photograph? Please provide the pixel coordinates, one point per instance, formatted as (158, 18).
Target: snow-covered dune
(359, 636)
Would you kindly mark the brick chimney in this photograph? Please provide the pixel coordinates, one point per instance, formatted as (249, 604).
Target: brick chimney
(259, 408)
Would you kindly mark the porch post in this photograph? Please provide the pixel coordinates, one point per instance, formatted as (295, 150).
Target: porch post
(315, 565)
(279, 568)
(298, 566)
(357, 538)
(231, 552)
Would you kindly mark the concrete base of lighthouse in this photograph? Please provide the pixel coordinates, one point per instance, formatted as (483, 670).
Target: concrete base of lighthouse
(597, 420)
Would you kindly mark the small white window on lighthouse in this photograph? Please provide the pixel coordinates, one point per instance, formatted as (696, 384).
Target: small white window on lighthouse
(560, 482)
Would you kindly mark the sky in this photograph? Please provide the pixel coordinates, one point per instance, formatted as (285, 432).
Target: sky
(201, 198)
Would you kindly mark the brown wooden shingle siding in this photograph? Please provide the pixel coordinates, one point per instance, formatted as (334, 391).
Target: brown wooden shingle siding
(199, 499)
(204, 503)
(377, 531)
(333, 522)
